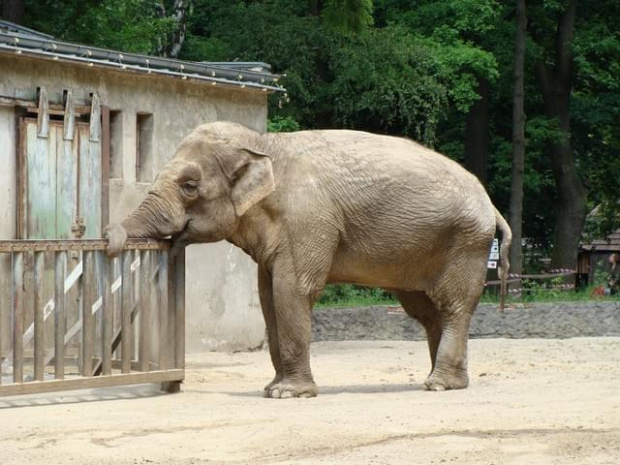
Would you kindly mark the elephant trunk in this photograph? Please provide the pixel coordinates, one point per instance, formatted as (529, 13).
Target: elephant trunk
(151, 219)
(157, 217)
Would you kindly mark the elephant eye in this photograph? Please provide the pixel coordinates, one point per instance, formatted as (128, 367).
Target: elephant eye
(190, 188)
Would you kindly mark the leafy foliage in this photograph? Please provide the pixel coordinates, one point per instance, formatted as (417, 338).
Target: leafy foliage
(282, 124)
(347, 16)
(125, 25)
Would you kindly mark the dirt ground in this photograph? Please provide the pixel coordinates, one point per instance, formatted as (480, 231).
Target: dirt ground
(529, 402)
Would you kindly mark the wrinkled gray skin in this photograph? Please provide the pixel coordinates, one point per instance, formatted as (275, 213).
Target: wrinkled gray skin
(319, 207)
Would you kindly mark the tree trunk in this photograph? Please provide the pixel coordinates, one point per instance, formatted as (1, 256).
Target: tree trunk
(518, 142)
(477, 134)
(556, 85)
(13, 11)
(314, 7)
(174, 42)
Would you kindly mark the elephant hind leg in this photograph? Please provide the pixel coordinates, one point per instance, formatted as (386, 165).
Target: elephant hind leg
(455, 296)
(418, 306)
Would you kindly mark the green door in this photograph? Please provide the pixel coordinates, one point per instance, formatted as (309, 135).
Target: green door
(61, 182)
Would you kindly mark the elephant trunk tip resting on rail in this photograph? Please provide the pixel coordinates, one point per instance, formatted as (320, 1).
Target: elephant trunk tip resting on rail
(318, 207)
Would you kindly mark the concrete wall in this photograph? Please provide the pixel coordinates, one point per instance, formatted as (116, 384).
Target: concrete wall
(553, 320)
(221, 294)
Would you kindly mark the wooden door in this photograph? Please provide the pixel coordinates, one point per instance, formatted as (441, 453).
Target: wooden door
(60, 197)
(61, 182)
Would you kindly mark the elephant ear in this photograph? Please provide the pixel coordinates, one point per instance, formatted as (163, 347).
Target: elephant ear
(251, 176)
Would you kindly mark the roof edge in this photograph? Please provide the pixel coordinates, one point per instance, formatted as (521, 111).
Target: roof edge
(241, 75)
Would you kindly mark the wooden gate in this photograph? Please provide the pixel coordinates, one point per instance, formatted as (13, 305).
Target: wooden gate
(103, 322)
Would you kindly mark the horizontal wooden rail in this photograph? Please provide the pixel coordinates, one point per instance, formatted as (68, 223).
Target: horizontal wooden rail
(515, 278)
(78, 245)
(91, 383)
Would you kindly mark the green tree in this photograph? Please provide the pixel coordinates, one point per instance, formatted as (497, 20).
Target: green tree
(576, 50)
(140, 26)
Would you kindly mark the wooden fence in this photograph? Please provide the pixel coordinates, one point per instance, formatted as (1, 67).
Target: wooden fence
(544, 282)
(72, 318)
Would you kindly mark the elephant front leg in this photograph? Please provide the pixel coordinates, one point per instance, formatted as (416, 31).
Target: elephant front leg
(291, 354)
(265, 291)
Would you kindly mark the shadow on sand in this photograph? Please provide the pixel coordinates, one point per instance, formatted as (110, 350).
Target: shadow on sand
(346, 389)
(141, 391)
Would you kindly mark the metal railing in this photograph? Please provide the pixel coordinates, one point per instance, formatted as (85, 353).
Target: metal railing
(71, 318)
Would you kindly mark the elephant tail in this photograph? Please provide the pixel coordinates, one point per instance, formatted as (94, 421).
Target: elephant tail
(503, 253)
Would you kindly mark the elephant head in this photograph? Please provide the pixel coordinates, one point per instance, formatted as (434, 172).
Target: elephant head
(214, 178)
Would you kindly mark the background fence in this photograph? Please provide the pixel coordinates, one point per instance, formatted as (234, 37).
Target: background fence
(73, 318)
(553, 280)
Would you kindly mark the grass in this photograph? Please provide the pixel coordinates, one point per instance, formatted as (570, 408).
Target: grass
(348, 295)
(548, 295)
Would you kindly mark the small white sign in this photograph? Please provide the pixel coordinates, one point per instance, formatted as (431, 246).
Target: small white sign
(494, 256)
(492, 265)
(495, 246)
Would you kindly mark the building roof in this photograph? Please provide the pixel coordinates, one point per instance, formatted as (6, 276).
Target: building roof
(610, 244)
(16, 39)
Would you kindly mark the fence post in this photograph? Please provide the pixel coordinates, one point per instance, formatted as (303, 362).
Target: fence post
(39, 328)
(144, 348)
(126, 329)
(163, 305)
(60, 259)
(18, 317)
(176, 299)
(107, 315)
(88, 295)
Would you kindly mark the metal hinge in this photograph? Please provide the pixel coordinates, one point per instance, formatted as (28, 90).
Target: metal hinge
(78, 228)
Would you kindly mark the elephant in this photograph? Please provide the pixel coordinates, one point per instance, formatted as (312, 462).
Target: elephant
(332, 206)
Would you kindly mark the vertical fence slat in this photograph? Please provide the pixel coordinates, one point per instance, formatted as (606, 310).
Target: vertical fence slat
(39, 322)
(88, 296)
(108, 316)
(126, 329)
(18, 317)
(179, 308)
(165, 348)
(145, 311)
(60, 324)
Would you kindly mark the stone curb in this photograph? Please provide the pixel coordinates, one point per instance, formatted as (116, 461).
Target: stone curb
(557, 320)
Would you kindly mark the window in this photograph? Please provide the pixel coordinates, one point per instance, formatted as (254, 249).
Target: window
(144, 148)
(116, 144)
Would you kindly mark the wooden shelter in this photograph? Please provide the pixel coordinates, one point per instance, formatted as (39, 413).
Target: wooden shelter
(595, 256)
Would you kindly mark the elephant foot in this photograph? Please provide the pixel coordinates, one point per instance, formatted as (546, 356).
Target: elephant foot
(275, 381)
(284, 389)
(444, 381)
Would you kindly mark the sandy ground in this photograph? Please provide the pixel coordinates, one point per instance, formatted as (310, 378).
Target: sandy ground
(529, 402)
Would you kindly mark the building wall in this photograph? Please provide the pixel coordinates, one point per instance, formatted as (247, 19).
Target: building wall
(223, 311)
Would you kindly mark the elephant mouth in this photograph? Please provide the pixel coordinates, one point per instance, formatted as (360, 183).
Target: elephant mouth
(181, 239)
